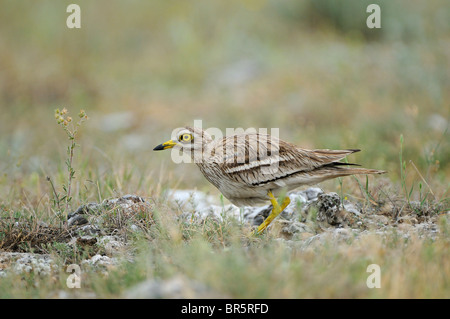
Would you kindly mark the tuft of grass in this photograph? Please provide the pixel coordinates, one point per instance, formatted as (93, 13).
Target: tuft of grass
(425, 202)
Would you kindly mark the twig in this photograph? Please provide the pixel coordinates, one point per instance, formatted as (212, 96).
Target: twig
(54, 193)
(423, 179)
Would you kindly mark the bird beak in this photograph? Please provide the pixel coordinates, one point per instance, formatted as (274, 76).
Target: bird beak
(166, 145)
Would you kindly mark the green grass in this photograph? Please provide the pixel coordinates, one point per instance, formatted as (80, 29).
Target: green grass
(262, 268)
(309, 69)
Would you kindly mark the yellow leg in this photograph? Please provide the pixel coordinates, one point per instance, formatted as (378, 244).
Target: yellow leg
(277, 209)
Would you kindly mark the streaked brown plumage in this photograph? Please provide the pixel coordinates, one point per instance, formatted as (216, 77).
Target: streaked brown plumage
(248, 168)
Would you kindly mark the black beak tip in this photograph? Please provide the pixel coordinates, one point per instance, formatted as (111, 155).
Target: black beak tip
(160, 147)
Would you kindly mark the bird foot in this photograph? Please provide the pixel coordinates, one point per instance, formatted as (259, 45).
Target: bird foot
(276, 210)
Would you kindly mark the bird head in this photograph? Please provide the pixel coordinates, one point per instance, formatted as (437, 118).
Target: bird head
(189, 139)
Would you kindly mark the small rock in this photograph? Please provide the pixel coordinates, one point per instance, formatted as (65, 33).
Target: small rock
(78, 216)
(90, 230)
(111, 244)
(312, 193)
(190, 200)
(256, 215)
(91, 212)
(77, 220)
(328, 208)
(351, 208)
(39, 264)
(296, 227)
(99, 260)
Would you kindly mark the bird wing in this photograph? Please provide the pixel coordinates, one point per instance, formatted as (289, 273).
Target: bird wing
(256, 159)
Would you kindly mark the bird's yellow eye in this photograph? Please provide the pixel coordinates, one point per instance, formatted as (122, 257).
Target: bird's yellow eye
(186, 137)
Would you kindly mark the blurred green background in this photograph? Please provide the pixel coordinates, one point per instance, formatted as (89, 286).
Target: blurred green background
(142, 68)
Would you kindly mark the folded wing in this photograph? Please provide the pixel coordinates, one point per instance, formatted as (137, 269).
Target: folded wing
(258, 159)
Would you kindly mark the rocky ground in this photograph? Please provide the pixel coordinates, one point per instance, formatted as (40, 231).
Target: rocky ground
(312, 217)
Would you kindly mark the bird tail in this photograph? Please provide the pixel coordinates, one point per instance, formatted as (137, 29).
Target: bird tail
(363, 171)
(345, 171)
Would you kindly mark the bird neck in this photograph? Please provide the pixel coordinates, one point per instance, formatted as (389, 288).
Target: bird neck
(201, 155)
